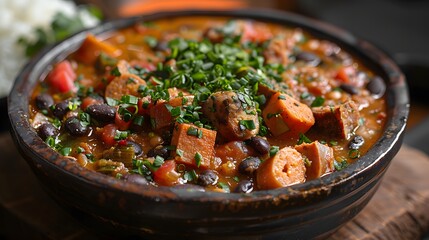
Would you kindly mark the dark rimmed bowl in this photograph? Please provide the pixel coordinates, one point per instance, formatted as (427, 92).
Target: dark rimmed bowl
(312, 209)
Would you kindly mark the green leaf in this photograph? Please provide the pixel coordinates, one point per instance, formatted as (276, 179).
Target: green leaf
(318, 101)
(303, 139)
(65, 151)
(274, 150)
(224, 187)
(151, 41)
(112, 102)
(341, 164)
(121, 135)
(247, 124)
(158, 161)
(190, 176)
(179, 152)
(115, 72)
(198, 158)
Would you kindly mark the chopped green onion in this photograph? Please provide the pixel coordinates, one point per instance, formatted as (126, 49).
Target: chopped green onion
(341, 164)
(50, 141)
(121, 135)
(303, 139)
(138, 120)
(224, 187)
(129, 99)
(307, 162)
(158, 161)
(318, 101)
(179, 152)
(115, 72)
(65, 151)
(354, 153)
(111, 102)
(190, 176)
(247, 124)
(198, 158)
(80, 150)
(151, 41)
(274, 150)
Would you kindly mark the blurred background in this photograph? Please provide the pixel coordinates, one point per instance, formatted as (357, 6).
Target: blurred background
(399, 27)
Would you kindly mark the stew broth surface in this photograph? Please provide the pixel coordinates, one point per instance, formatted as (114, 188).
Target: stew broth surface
(210, 103)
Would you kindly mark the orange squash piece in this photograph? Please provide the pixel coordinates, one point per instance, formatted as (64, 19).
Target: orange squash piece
(91, 49)
(161, 116)
(125, 84)
(189, 145)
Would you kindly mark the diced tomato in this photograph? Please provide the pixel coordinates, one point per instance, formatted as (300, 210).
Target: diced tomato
(345, 74)
(253, 33)
(88, 101)
(108, 134)
(144, 105)
(121, 123)
(234, 150)
(62, 77)
(166, 175)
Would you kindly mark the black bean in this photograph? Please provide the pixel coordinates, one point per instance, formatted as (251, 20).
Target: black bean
(356, 142)
(44, 101)
(207, 177)
(376, 86)
(47, 130)
(350, 89)
(61, 109)
(260, 145)
(74, 126)
(166, 136)
(308, 57)
(244, 186)
(190, 187)
(138, 151)
(102, 112)
(249, 165)
(136, 178)
(160, 150)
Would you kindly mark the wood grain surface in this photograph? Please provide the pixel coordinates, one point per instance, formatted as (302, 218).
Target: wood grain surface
(399, 209)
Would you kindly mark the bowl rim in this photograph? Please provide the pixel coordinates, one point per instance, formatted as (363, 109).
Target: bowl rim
(397, 100)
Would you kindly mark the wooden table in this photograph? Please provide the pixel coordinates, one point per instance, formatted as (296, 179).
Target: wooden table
(399, 209)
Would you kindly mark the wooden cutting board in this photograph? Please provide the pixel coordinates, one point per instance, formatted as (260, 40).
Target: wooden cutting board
(399, 209)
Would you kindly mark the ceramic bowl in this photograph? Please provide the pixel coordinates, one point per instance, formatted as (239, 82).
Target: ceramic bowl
(314, 209)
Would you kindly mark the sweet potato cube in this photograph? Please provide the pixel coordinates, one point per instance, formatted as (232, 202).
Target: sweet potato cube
(191, 141)
(92, 47)
(161, 116)
(285, 116)
(320, 158)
